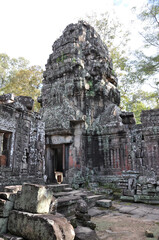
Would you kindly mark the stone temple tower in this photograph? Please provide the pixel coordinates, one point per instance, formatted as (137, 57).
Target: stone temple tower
(79, 98)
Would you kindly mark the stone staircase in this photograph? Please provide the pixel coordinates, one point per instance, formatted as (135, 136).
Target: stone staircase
(67, 200)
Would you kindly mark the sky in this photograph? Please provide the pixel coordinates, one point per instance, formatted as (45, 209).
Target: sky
(28, 28)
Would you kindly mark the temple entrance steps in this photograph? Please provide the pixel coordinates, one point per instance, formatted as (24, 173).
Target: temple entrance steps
(67, 197)
(57, 187)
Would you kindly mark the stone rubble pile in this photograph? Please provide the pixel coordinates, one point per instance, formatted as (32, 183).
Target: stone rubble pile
(37, 212)
(82, 222)
(26, 215)
(144, 189)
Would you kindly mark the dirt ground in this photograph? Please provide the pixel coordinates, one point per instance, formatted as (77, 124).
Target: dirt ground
(126, 224)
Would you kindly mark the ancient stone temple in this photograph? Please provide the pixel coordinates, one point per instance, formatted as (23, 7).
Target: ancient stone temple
(80, 106)
(79, 96)
(85, 131)
(22, 141)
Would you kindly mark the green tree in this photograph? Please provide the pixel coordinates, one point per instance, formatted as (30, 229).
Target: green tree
(18, 77)
(113, 35)
(147, 59)
(129, 72)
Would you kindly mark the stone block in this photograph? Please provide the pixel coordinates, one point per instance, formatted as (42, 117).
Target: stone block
(93, 185)
(82, 216)
(37, 226)
(148, 191)
(138, 192)
(91, 200)
(128, 192)
(142, 180)
(25, 101)
(34, 198)
(82, 206)
(127, 198)
(5, 207)
(146, 199)
(3, 225)
(150, 185)
(67, 205)
(57, 187)
(68, 189)
(13, 189)
(83, 233)
(104, 203)
(151, 180)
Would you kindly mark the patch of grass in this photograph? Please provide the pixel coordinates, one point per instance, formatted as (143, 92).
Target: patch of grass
(112, 208)
(155, 230)
(102, 225)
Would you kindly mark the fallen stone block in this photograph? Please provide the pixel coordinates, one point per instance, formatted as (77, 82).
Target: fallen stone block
(82, 206)
(104, 203)
(83, 233)
(67, 205)
(91, 200)
(68, 189)
(3, 225)
(82, 216)
(34, 198)
(5, 207)
(39, 227)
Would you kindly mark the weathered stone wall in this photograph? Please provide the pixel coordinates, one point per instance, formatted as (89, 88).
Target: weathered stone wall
(126, 146)
(24, 151)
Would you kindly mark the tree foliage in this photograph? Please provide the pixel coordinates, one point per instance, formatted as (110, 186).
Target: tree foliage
(18, 77)
(147, 62)
(112, 34)
(132, 72)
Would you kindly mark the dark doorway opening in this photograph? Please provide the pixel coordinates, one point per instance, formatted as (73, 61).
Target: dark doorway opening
(57, 157)
(5, 147)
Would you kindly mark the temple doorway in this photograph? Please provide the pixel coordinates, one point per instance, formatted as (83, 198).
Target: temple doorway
(56, 160)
